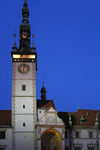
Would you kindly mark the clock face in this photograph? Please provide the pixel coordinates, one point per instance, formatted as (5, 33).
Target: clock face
(51, 120)
(23, 68)
(24, 35)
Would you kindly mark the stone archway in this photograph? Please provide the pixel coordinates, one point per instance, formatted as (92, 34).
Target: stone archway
(50, 140)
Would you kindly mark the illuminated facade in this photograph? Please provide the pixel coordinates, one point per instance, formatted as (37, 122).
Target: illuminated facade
(35, 124)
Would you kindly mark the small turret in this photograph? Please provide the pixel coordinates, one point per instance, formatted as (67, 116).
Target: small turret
(14, 48)
(96, 120)
(70, 120)
(43, 93)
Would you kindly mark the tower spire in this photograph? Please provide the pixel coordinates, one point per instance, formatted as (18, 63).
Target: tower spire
(25, 31)
(43, 92)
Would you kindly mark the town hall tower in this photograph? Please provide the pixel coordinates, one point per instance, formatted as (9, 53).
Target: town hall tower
(24, 66)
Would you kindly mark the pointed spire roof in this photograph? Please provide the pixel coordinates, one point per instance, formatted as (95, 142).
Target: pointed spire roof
(25, 31)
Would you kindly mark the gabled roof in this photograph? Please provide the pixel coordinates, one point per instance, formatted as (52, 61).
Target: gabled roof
(45, 104)
(5, 118)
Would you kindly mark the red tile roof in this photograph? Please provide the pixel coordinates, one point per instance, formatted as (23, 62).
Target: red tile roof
(88, 115)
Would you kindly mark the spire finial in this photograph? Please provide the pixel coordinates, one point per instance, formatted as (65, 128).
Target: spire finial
(14, 38)
(33, 40)
(43, 81)
(78, 107)
(25, 1)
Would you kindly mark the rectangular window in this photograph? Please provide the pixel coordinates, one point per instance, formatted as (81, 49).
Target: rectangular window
(24, 124)
(90, 135)
(23, 106)
(2, 134)
(76, 134)
(23, 87)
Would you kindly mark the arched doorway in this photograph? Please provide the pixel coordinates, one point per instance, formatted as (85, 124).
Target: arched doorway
(50, 140)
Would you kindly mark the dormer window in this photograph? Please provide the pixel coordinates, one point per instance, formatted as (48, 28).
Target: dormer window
(97, 114)
(87, 114)
(82, 120)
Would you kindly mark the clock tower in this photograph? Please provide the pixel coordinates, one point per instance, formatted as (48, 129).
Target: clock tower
(24, 66)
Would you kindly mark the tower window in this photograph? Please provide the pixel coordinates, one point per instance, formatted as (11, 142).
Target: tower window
(24, 124)
(23, 106)
(23, 87)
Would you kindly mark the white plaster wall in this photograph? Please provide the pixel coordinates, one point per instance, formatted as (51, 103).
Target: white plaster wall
(84, 138)
(29, 120)
(41, 113)
(29, 103)
(25, 141)
(23, 136)
(8, 141)
(30, 88)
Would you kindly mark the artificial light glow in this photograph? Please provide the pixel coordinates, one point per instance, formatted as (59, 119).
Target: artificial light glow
(23, 56)
(25, 18)
(16, 56)
(31, 56)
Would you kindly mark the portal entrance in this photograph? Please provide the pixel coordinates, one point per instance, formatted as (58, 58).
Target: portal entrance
(51, 140)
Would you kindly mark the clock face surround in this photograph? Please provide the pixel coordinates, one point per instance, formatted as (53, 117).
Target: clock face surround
(23, 68)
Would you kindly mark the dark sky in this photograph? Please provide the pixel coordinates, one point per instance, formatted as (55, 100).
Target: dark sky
(67, 39)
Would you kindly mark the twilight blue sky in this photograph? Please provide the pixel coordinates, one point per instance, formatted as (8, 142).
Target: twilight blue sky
(67, 39)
